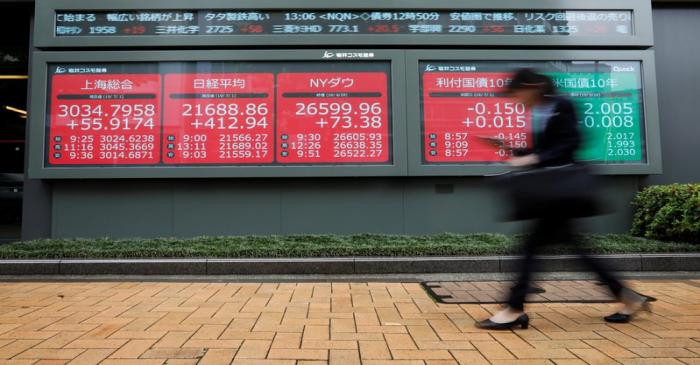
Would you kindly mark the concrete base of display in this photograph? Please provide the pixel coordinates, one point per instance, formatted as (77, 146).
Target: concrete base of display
(347, 265)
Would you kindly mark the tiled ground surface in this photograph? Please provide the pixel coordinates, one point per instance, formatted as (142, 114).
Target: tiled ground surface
(496, 291)
(314, 324)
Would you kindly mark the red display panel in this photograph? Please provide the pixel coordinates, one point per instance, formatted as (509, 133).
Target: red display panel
(105, 119)
(461, 107)
(223, 118)
(333, 118)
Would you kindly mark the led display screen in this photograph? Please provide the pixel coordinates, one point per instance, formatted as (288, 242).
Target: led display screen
(558, 22)
(219, 113)
(463, 107)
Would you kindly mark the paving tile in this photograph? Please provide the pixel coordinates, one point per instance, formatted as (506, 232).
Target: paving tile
(321, 344)
(213, 344)
(96, 344)
(287, 341)
(654, 361)
(54, 354)
(133, 349)
(398, 341)
(469, 357)
(176, 353)
(91, 357)
(133, 362)
(173, 339)
(298, 354)
(253, 349)
(593, 356)
(611, 349)
(663, 352)
(344, 357)
(374, 350)
(493, 350)
(421, 354)
(60, 340)
(262, 362)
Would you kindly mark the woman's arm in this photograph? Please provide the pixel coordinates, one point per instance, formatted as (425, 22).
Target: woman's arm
(562, 134)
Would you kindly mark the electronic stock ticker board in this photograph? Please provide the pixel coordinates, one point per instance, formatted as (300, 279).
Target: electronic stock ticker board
(256, 113)
(351, 111)
(253, 22)
(463, 103)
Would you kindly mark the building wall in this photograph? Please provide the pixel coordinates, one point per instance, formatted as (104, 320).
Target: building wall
(677, 44)
(150, 208)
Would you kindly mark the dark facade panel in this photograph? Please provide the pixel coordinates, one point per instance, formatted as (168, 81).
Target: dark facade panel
(677, 52)
(112, 209)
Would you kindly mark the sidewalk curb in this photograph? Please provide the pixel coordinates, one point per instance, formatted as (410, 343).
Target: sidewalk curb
(345, 265)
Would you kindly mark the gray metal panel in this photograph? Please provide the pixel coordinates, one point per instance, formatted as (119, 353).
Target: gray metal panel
(36, 209)
(45, 12)
(413, 58)
(226, 207)
(474, 206)
(36, 194)
(115, 208)
(38, 117)
(677, 53)
(342, 206)
(471, 206)
(188, 208)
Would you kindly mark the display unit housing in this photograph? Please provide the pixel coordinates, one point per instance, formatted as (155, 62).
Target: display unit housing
(75, 114)
(624, 111)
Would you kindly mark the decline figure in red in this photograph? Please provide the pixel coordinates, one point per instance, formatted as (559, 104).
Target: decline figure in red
(556, 134)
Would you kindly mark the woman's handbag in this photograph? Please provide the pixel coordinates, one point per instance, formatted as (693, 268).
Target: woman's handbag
(568, 191)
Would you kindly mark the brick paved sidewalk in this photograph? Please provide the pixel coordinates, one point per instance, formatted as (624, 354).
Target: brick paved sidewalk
(313, 324)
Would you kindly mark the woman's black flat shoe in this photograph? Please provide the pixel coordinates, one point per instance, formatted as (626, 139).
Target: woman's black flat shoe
(625, 318)
(618, 318)
(523, 321)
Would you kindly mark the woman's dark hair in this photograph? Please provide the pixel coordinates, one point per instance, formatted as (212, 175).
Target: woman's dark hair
(526, 78)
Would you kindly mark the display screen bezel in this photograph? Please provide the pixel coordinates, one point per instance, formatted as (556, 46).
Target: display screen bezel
(418, 167)
(39, 118)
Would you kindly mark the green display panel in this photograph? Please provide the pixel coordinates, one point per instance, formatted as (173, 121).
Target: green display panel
(609, 103)
(464, 101)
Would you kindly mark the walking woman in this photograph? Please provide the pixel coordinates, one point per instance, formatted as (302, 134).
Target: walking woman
(556, 135)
